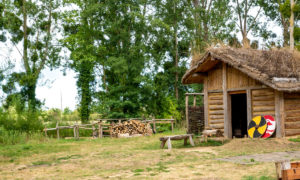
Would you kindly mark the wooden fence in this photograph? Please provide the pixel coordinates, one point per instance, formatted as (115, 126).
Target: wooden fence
(105, 126)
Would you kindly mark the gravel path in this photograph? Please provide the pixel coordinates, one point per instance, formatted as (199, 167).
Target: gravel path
(268, 157)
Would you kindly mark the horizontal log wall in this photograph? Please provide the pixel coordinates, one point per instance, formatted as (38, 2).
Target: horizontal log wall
(216, 111)
(292, 113)
(238, 79)
(214, 78)
(263, 102)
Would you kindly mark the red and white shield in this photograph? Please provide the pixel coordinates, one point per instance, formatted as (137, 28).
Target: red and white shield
(271, 126)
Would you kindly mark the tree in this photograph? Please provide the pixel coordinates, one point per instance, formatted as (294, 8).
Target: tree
(211, 22)
(246, 21)
(33, 23)
(79, 39)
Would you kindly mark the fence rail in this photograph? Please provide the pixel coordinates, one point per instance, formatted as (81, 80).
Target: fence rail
(101, 127)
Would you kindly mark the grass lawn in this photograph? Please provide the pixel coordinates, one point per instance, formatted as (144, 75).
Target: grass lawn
(136, 158)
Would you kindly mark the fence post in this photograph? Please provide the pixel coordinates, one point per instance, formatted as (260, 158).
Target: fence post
(74, 131)
(194, 102)
(154, 124)
(77, 131)
(57, 130)
(110, 130)
(99, 129)
(45, 132)
(172, 124)
(120, 121)
(94, 132)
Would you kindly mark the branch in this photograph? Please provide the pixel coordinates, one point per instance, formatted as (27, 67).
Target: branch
(245, 18)
(209, 6)
(254, 20)
(43, 62)
(239, 13)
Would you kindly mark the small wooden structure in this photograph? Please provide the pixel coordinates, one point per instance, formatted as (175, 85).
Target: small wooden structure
(168, 139)
(286, 170)
(194, 114)
(240, 84)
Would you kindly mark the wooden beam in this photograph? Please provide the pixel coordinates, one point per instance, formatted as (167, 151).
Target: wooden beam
(249, 105)
(278, 113)
(205, 92)
(239, 89)
(192, 94)
(187, 113)
(227, 123)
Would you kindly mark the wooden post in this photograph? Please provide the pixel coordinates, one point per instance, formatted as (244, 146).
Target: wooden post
(120, 121)
(94, 132)
(57, 130)
(45, 132)
(154, 124)
(205, 90)
(279, 113)
(225, 102)
(99, 130)
(169, 143)
(77, 131)
(74, 131)
(249, 106)
(187, 112)
(172, 125)
(110, 131)
(194, 100)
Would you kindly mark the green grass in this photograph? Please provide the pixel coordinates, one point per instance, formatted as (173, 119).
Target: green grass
(295, 139)
(258, 178)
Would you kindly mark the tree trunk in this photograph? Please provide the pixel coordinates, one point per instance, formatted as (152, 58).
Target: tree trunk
(292, 26)
(176, 54)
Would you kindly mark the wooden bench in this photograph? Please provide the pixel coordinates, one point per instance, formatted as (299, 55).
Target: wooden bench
(168, 139)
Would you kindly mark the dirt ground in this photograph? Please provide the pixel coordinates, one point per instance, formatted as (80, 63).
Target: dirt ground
(139, 158)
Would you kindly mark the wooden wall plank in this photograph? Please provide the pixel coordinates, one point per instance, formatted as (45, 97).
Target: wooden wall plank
(214, 80)
(238, 79)
(227, 121)
(263, 102)
(205, 91)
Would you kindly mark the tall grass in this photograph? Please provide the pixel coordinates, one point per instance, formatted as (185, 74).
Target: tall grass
(11, 137)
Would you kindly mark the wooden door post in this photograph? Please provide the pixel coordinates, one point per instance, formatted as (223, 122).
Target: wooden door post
(187, 112)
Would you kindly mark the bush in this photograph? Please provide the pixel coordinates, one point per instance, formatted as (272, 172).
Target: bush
(11, 137)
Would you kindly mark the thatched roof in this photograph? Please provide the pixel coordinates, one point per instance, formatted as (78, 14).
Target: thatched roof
(279, 69)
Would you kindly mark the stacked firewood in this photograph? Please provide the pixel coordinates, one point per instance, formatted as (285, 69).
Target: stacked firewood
(131, 128)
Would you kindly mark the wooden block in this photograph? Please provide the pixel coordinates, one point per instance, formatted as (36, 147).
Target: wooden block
(191, 140)
(169, 143)
(162, 145)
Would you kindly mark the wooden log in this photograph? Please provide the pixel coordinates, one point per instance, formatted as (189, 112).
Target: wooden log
(263, 98)
(217, 121)
(45, 132)
(263, 103)
(191, 140)
(215, 102)
(185, 141)
(220, 112)
(186, 113)
(169, 143)
(291, 95)
(227, 120)
(264, 108)
(172, 126)
(292, 125)
(162, 145)
(216, 117)
(291, 107)
(292, 119)
(154, 125)
(205, 91)
(194, 101)
(292, 113)
(216, 97)
(176, 137)
(74, 132)
(216, 107)
(292, 132)
(217, 126)
(57, 130)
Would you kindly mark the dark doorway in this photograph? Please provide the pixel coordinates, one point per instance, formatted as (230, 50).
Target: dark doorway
(239, 115)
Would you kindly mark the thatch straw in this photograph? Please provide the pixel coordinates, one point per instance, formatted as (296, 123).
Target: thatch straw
(262, 65)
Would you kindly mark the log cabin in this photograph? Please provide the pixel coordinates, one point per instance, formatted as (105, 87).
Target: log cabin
(239, 84)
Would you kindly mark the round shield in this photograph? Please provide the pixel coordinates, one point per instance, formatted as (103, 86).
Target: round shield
(257, 127)
(271, 126)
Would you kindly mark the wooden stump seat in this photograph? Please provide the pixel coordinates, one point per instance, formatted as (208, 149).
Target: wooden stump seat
(168, 139)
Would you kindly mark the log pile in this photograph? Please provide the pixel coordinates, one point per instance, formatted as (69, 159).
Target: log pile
(132, 128)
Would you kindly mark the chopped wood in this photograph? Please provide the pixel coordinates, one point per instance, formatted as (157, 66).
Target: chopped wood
(131, 127)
